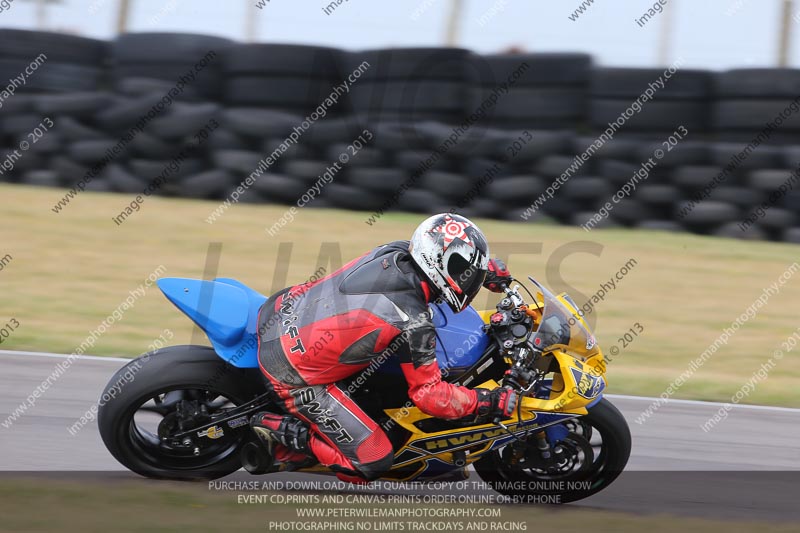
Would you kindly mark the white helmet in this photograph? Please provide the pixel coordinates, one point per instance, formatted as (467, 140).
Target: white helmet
(453, 254)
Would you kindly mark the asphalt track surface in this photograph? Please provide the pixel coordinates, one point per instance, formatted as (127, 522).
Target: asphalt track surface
(746, 468)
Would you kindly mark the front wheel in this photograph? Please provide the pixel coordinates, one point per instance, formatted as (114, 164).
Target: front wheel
(167, 392)
(593, 453)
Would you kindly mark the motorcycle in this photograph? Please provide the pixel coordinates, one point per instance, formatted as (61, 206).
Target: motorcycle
(186, 414)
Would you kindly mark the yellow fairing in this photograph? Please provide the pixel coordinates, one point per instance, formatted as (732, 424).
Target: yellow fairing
(574, 386)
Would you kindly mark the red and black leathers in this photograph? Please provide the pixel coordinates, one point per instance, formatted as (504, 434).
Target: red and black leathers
(314, 335)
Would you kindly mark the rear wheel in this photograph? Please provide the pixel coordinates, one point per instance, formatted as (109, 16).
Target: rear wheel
(593, 453)
(171, 391)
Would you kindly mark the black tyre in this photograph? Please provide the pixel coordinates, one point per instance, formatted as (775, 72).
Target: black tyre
(478, 141)
(365, 157)
(750, 115)
(481, 169)
(655, 115)
(733, 230)
(209, 184)
(162, 381)
(615, 148)
(55, 77)
(705, 214)
(223, 139)
(555, 165)
(685, 153)
(308, 171)
(583, 217)
(697, 177)
(139, 86)
(123, 181)
(348, 197)
(560, 208)
(531, 69)
(260, 122)
(533, 103)
(745, 197)
(516, 190)
(72, 104)
(412, 160)
(587, 188)
(74, 130)
(417, 201)
(523, 147)
(42, 178)
(281, 189)
(446, 185)
(156, 47)
(770, 179)
(267, 59)
(377, 180)
(58, 47)
(206, 85)
(330, 130)
(409, 64)
(243, 161)
(408, 96)
(660, 225)
(128, 111)
(776, 218)
(90, 151)
(791, 235)
(184, 120)
(758, 83)
(52, 143)
(19, 124)
(616, 172)
(658, 194)
(148, 169)
(488, 208)
(630, 212)
(738, 156)
(151, 147)
(611, 82)
(278, 91)
(791, 201)
(608, 458)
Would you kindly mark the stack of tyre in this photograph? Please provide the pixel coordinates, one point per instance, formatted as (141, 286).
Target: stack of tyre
(725, 181)
(269, 91)
(51, 76)
(421, 130)
(408, 84)
(518, 91)
(746, 100)
(175, 81)
(398, 95)
(95, 110)
(646, 103)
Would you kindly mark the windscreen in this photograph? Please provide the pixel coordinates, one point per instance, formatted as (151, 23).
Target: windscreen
(561, 326)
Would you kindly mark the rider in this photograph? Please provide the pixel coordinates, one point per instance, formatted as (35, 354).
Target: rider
(314, 335)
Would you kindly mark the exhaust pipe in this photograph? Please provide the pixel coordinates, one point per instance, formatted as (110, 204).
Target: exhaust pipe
(255, 458)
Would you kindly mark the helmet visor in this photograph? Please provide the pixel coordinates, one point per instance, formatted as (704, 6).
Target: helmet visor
(467, 277)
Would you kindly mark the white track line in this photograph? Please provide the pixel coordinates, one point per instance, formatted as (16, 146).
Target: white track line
(620, 396)
(60, 355)
(706, 403)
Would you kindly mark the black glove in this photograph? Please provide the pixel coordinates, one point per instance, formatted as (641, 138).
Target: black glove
(497, 276)
(497, 403)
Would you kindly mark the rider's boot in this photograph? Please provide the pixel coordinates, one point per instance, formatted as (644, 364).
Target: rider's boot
(285, 437)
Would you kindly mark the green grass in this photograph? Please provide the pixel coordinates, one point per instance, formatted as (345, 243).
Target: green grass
(71, 270)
